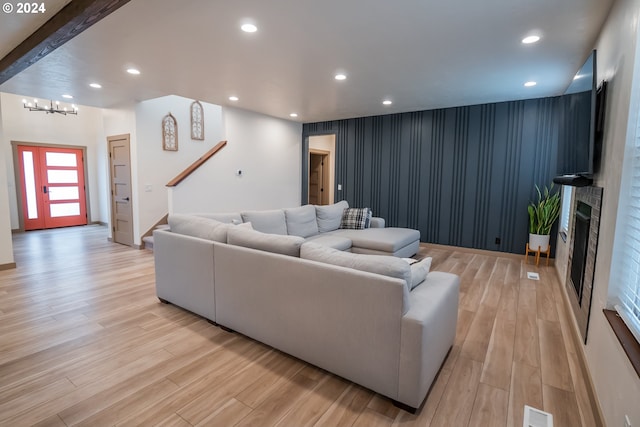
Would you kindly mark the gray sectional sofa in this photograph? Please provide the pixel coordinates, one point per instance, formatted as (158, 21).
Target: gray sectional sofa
(335, 298)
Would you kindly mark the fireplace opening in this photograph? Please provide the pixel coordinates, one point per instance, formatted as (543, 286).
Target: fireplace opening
(580, 246)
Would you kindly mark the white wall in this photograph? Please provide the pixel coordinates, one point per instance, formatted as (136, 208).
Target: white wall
(617, 384)
(85, 129)
(6, 245)
(153, 167)
(267, 151)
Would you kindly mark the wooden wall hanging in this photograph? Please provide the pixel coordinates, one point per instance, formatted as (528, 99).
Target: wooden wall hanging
(197, 121)
(169, 133)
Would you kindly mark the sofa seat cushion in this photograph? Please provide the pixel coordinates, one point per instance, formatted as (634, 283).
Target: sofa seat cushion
(301, 221)
(389, 240)
(197, 226)
(272, 222)
(330, 216)
(336, 242)
(245, 237)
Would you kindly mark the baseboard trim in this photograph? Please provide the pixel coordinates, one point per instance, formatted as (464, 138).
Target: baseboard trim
(474, 251)
(8, 266)
(582, 357)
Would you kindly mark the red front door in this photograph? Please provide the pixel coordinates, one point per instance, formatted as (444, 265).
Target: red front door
(53, 189)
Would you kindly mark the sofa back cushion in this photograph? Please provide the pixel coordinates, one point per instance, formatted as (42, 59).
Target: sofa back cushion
(280, 244)
(228, 218)
(301, 221)
(330, 216)
(197, 226)
(379, 264)
(272, 222)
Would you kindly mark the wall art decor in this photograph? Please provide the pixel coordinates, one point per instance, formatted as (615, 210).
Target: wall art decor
(169, 133)
(197, 121)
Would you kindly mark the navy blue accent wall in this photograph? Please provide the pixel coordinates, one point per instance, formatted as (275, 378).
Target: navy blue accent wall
(462, 176)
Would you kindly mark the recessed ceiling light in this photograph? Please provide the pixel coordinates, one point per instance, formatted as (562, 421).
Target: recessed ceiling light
(530, 84)
(387, 102)
(233, 98)
(95, 85)
(249, 28)
(67, 96)
(341, 76)
(133, 71)
(293, 115)
(530, 39)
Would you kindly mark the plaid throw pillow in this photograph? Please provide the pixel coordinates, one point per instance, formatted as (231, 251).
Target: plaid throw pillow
(356, 218)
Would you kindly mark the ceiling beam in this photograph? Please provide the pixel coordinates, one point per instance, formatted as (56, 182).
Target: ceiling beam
(71, 20)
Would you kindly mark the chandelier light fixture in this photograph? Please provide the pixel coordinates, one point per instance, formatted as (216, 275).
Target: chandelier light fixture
(51, 108)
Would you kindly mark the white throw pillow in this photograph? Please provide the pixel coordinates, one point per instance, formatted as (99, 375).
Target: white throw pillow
(419, 271)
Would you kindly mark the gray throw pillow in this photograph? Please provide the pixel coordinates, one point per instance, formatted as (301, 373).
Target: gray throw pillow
(301, 221)
(197, 226)
(330, 216)
(285, 245)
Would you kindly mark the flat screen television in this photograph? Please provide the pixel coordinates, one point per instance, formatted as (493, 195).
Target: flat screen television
(580, 129)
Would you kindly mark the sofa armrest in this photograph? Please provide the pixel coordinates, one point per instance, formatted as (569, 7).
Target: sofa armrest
(428, 333)
(377, 222)
(184, 272)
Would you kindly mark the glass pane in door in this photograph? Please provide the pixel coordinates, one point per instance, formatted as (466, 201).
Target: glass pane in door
(55, 176)
(30, 185)
(60, 159)
(64, 193)
(64, 209)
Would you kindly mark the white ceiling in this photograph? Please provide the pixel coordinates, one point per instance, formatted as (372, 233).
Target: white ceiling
(421, 54)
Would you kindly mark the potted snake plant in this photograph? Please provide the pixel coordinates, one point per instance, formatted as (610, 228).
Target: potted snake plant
(542, 215)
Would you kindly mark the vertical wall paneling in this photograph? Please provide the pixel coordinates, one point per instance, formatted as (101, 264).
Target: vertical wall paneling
(304, 190)
(511, 184)
(413, 169)
(435, 177)
(482, 202)
(375, 189)
(462, 176)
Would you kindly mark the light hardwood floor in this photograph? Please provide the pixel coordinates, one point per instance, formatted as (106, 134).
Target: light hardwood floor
(83, 340)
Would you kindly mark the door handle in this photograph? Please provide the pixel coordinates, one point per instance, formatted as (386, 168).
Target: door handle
(126, 199)
(44, 189)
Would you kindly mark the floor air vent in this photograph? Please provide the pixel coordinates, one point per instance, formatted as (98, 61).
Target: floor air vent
(536, 418)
